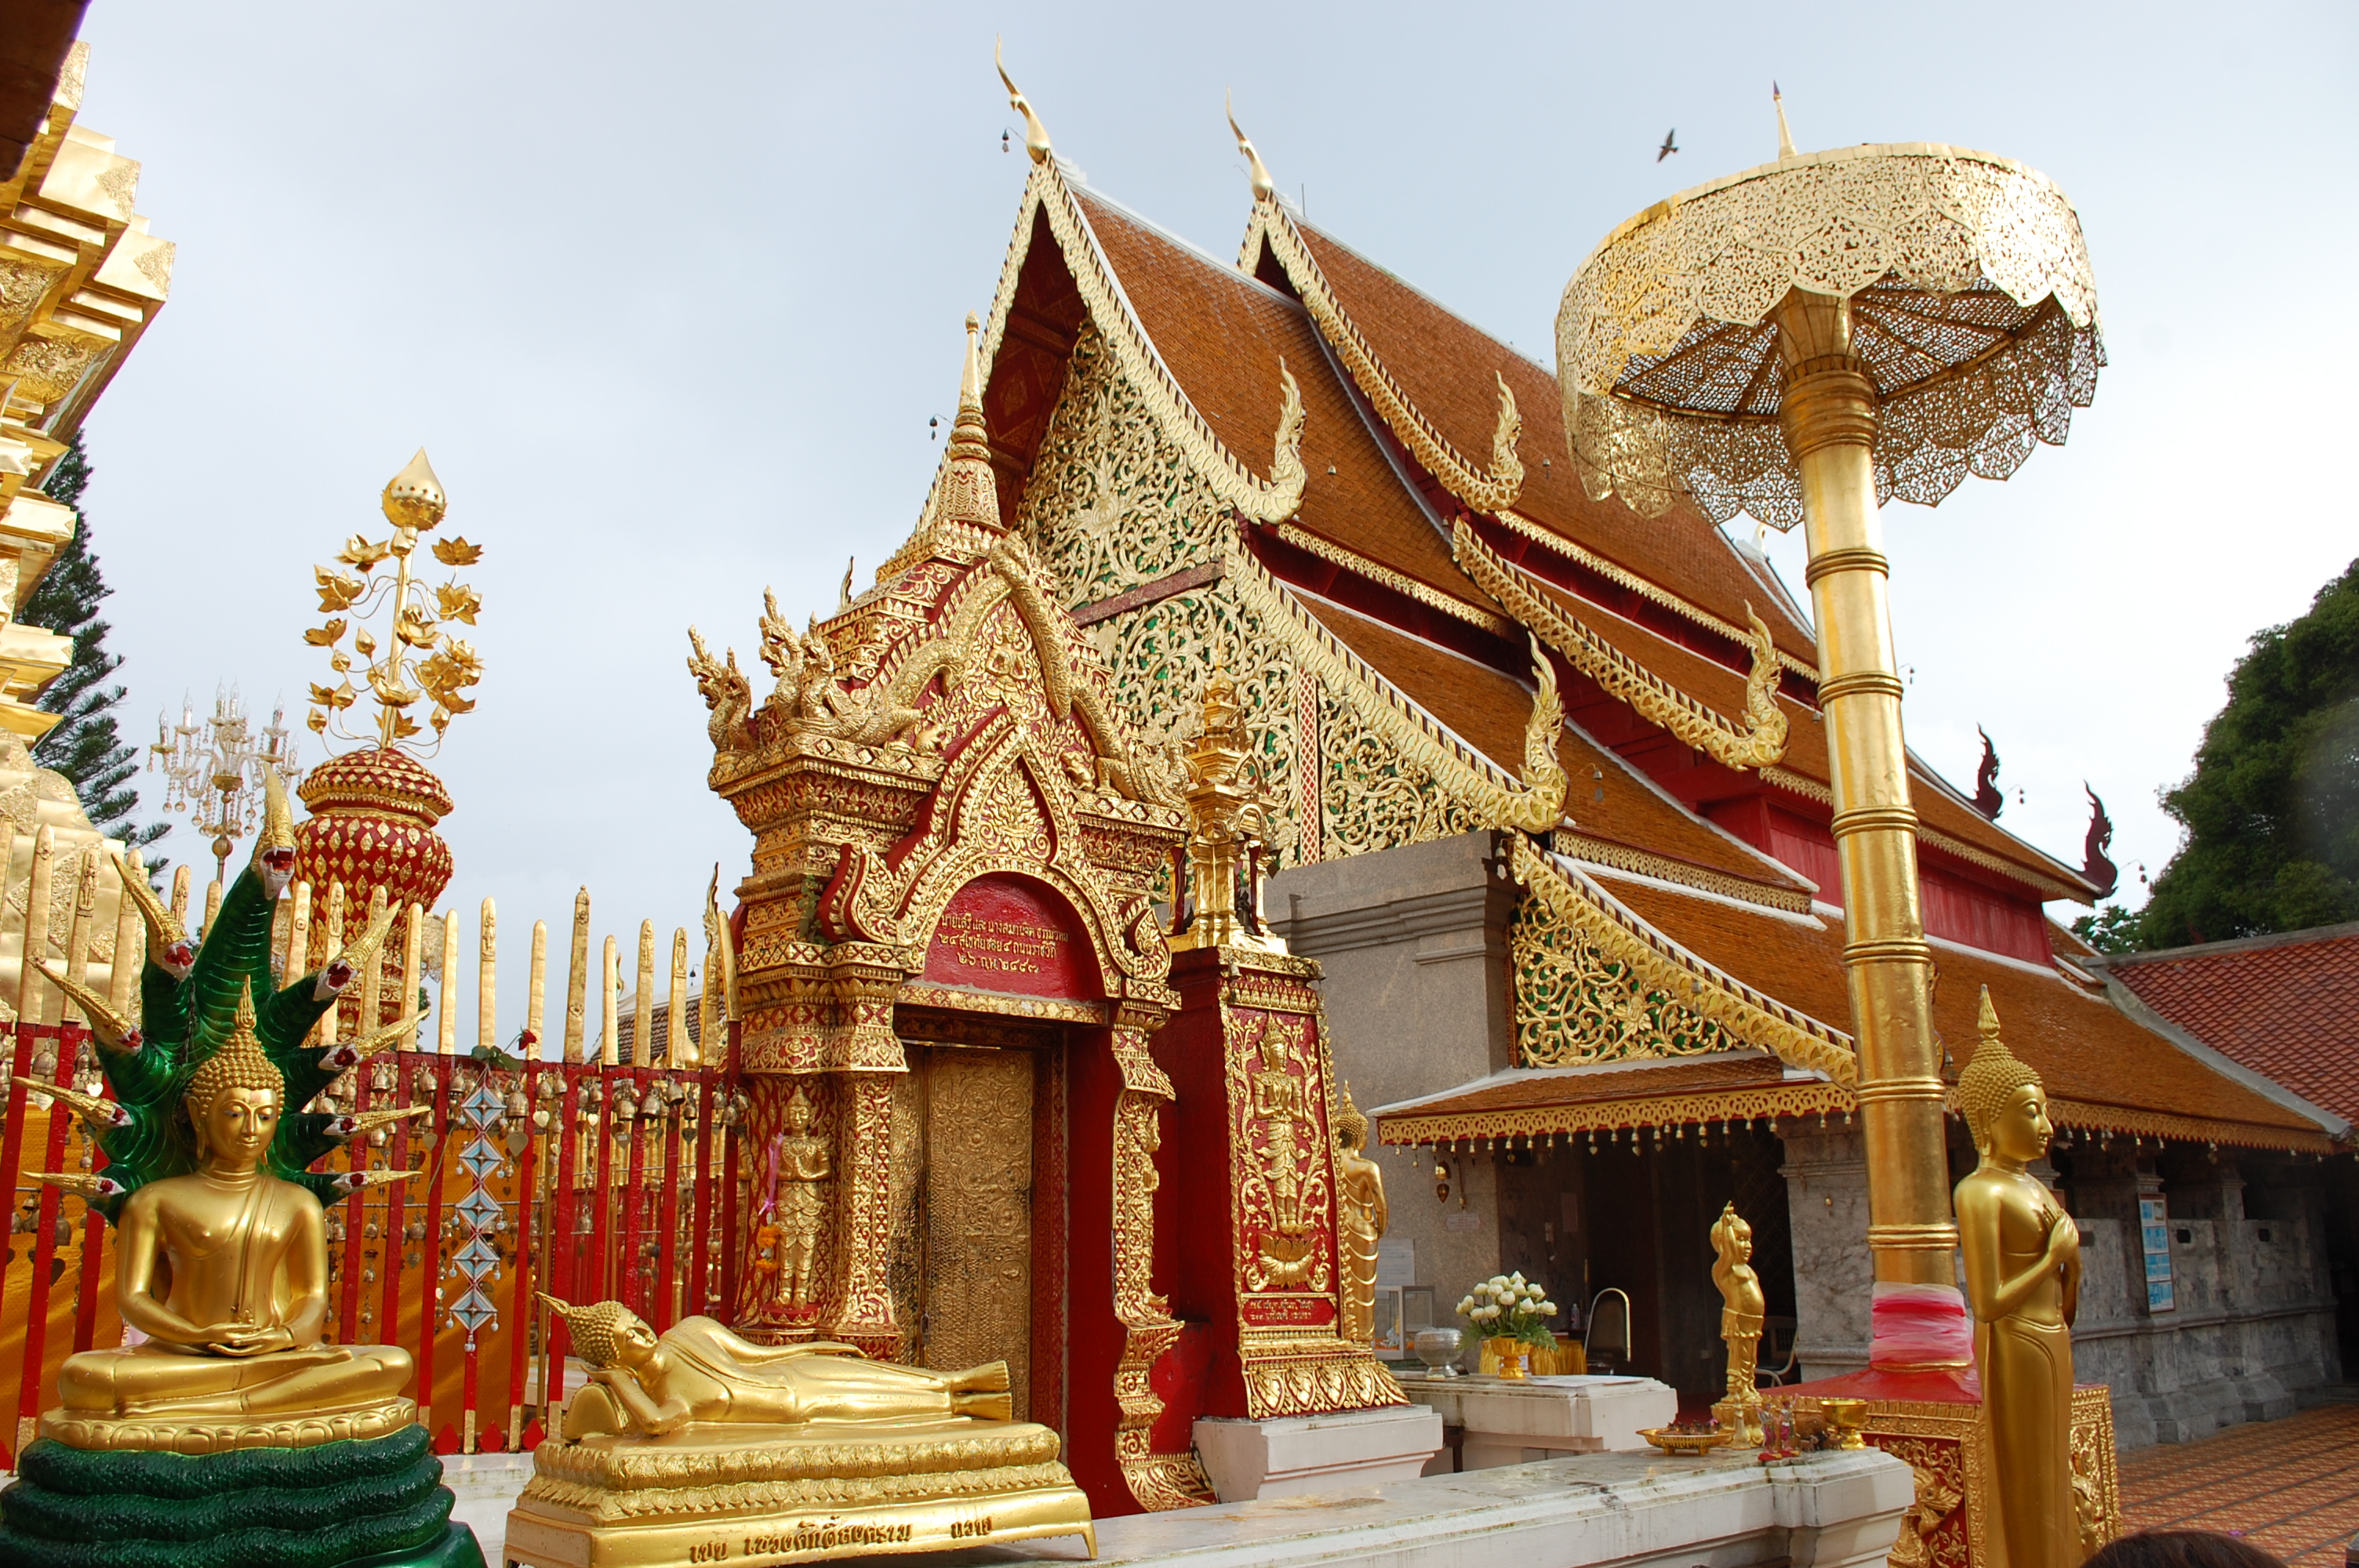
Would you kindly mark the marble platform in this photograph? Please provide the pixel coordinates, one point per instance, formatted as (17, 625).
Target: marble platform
(1516, 1421)
(1603, 1511)
(1293, 1455)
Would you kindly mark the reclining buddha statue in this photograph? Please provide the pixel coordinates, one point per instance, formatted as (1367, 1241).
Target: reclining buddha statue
(698, 1445)
(697, 1372)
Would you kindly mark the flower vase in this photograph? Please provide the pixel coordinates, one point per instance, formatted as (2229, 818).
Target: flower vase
(1509, 1353)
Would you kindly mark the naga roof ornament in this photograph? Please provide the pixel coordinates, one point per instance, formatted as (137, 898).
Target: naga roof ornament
(1036, 134)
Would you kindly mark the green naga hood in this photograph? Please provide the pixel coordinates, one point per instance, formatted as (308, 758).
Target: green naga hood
(190, 998)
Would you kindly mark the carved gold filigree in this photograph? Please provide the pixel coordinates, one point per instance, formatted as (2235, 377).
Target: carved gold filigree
(1270, 501)
(1482, 490)
(1113, 503)
(1593, 983)
(1968, 279)
(1756, 742)
(1533, 803)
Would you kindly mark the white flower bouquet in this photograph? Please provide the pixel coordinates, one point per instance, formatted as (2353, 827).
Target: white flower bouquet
(1507, 1306)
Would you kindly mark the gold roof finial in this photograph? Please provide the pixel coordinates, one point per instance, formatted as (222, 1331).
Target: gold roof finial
(1036, 134)
(414, 498)
(970, 374)
(1785, 136)
(1264, 188)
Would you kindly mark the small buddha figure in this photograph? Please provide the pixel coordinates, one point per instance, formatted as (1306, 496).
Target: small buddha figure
(1360, 1218)
(225, 1269)
(2023, 1277)
(1741, 1315)
(804, 1167)
(699, 1372)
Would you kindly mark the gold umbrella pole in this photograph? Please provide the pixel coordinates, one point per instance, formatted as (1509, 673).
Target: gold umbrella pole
(1828, 412)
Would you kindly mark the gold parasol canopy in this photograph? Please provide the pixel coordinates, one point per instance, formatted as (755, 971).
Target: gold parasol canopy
(1973, 308)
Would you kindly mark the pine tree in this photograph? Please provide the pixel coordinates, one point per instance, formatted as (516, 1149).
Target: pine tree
(84, 746)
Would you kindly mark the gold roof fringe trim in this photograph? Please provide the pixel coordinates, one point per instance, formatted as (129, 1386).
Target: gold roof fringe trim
(1709, 992)
(1527, 1122)
(1623, 577)
(1482, 490)
(1533, 802)
(1758, 743)
(1273, 500)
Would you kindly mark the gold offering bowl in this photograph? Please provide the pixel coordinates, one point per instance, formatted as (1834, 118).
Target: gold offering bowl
(1848, 1418)
(1688, 1444)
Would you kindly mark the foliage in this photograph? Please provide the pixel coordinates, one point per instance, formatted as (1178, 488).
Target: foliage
(84, 746)
(2113, 929)
(1505, 1307)
(2272, 808)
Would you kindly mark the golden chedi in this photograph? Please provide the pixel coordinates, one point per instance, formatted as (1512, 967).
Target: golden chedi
(229, 1432)
(2022, 1276)
(697, 1445)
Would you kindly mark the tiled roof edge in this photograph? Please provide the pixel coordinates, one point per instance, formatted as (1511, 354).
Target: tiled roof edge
(2133, 1007)
(2233, 945)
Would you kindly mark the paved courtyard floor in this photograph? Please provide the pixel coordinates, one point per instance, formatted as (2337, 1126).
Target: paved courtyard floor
(2289, 1487)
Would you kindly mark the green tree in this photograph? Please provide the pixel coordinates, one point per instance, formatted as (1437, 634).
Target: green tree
(2111, 929)
(2272, 808)
(84, 746)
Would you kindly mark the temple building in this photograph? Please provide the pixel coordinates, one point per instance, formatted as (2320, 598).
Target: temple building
(1586, 971)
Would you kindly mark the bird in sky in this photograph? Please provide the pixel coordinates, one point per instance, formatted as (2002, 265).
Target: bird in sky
(1671, 145)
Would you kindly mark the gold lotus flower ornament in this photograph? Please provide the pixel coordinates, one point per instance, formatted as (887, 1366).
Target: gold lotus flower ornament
(422, 659)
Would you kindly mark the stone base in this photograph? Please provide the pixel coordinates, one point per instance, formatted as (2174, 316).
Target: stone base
(1517, 1421)
(1294, 1454)
(791, 1494)
(333, 1504)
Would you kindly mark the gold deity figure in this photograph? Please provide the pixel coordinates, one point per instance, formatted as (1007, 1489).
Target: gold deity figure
(1278, 1102)
(698, 1372)
(2023, 1277)
(225, 1269)
(1361, 1218)
(1741, 1314)
(804, 1167)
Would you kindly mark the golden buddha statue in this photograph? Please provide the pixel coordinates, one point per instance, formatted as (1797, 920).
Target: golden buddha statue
(224, 1271)
(1360, 1218)
(698, 1372)
(2023, 1277)
(1741, 1313)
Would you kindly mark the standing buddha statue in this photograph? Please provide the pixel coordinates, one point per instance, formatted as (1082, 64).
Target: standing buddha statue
(1360, 1218)
(2023, 1277)
(1741, 1316)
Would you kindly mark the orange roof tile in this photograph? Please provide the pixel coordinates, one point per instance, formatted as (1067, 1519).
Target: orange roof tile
(2103, 1068)
(1223, 334)
(2286, 1006)
(1446, 364)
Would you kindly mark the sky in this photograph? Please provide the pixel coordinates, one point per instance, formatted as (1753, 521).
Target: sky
(669, 293)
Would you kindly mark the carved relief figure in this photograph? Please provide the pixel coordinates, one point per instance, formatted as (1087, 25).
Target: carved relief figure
(1278, 1104)
(697, 1372)
(1361, 1218)
(2023, 1276)
(225, 1271)
(1741, 1314)
(804, 1167)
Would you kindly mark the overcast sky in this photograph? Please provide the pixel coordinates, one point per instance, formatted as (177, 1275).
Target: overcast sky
(669, 292)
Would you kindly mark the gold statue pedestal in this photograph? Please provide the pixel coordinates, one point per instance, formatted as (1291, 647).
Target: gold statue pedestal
(809, 1492)
(220, 1433)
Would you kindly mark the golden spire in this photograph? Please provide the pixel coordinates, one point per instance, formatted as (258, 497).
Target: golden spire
(970, 496)
(420, 658)
(1785, 136)
(414, 498)
(1264, 188)
(1036, 134)
(1228, 812)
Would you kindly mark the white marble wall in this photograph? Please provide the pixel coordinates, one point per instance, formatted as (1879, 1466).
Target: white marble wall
(1826, 1200)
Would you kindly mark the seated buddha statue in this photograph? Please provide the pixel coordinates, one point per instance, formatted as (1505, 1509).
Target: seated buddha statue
(225, 1269)
(698, 1372)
